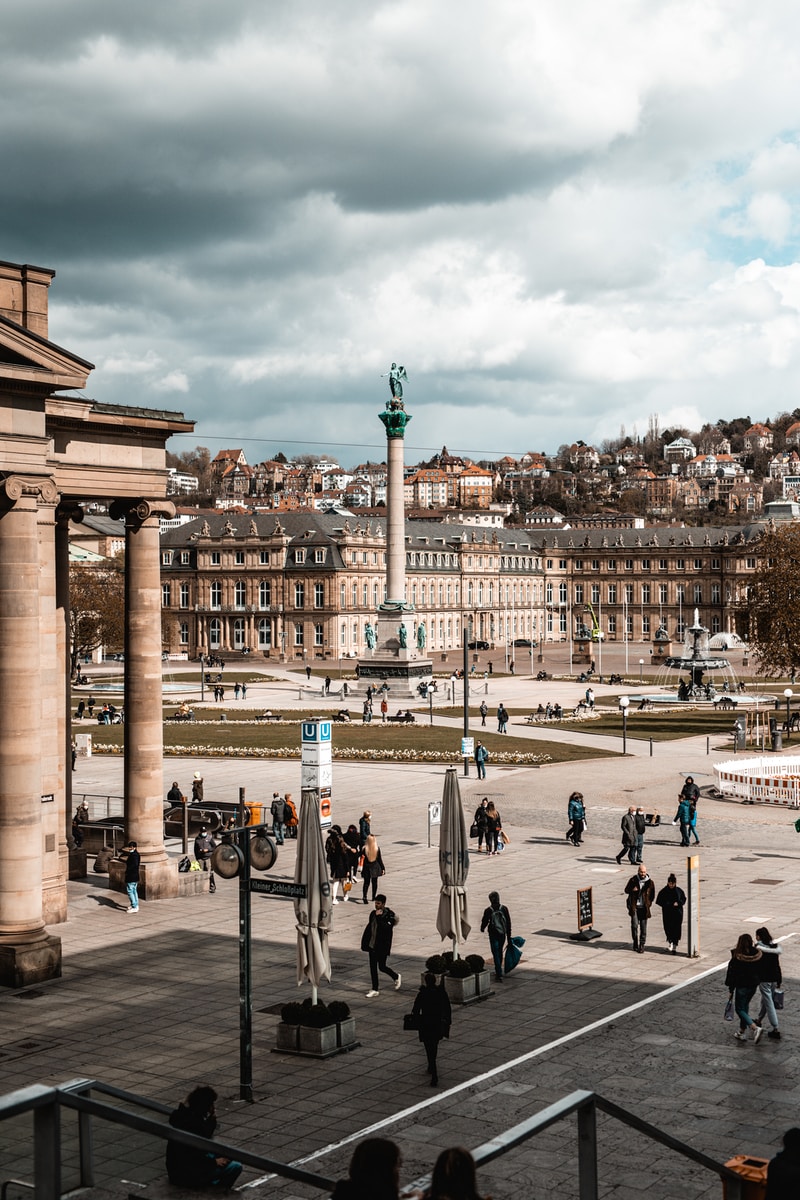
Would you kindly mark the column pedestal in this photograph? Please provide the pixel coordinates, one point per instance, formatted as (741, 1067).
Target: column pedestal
(21, 965)
(157, 880)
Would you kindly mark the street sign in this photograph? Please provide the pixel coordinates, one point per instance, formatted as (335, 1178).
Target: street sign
(274, 887)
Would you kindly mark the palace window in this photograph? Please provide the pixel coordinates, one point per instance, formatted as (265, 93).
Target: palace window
(298, 634)
(264, 594)
(299, 596)
(319, 595)
(216, 595)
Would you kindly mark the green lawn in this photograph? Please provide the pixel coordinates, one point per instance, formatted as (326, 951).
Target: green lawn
(239, 735)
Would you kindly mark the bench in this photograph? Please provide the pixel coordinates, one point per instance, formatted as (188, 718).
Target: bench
(725, 702)
(268, 716)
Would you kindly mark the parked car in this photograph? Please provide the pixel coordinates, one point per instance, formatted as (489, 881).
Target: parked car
(525, 642)
(477, 645)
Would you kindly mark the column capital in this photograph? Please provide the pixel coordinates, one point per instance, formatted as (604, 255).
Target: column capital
(142, 509)
(14, 487)
(68, 511)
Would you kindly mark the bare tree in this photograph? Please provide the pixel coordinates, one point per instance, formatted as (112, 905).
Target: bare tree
(97, 609)
(772, 600)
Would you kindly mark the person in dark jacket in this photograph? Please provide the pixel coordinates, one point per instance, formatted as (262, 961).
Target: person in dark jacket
(672, 901)
(175, 795)
(628, 827)
(576, 813)
(376, 940)
(374, 1172)
(372, 867)
(769, 979)
(433, 1013)
(341, 861)
(479, 821)
(493, 826)
(641, 892)
(192, 1168)
(783, 1172)
(204, 845)
(741, 980)
(132, 860)
(364, 827)
(496, 921)
(684, 817)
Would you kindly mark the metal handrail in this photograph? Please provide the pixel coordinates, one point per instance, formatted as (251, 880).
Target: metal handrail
(45, 1103)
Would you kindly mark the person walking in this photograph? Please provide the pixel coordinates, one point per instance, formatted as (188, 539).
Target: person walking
(434, 1017)
(479, 820)
(372, 867)
(236, 690)
(640, 891)
(198, 1169)
(496, 921)
(341, 860)
(483, 709)
(364, 827)
(481, 755)
(327, 685)
(769, 979)
(132, 859)
(278, 810)
(308, 673)
(693, 822)
(502, 718)
(576, 814)
(384, 710)
(641, 826)
(197, 788)
(628, 827)
(376, 940)
(684, 816)
(203, 846)
(493, 826)
(741, 980)
(174, 795)
(672, 901)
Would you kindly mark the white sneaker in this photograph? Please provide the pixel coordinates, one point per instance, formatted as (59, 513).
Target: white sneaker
(741, 1035)
(397, 983)
(335, 901)
(132, 910)
(372, 993)
(757, 1032)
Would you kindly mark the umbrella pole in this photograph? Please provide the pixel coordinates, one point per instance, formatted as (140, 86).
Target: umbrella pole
(313, 993)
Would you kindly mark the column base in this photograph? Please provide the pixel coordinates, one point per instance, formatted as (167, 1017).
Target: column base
(157, 880)
(403, 678)
(30, 962)
(54, 903)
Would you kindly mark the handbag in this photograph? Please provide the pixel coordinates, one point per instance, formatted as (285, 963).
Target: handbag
(410, 1021)
(777, 998)
(513, 953)
(473, 830)
(347, 885)
(503, 837)
(729, 1009)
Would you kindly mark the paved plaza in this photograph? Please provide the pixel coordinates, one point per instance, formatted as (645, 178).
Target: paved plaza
(150, 1002)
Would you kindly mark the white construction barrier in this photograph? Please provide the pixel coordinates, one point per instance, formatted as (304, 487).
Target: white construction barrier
(771, 780)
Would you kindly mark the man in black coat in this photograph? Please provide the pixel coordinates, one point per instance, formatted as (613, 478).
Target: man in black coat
(497, 920)
(376, 940)
(641, 892)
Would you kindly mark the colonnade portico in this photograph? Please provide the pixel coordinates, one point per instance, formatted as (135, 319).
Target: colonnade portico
(56, 454)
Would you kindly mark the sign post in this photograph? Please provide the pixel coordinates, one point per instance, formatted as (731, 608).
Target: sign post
(693, 905)
(316, 765)
(585, 917)
(434, 817)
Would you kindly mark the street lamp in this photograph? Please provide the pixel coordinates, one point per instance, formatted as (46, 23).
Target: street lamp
(624, 701)
(641, 668)
(788, 693)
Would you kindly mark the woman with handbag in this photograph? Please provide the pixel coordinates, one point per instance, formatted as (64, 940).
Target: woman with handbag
(479, 824)
(769, 979)
(493, 827)
(341, 860)
(742, 982)
(433, 1016)
(373, 866)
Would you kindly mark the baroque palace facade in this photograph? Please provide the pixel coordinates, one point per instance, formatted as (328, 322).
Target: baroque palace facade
(305, 585)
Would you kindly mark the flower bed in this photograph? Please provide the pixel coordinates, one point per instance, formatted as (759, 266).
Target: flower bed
(514, 758)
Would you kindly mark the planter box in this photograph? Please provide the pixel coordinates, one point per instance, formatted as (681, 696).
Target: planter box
(483, 983)
(460, 991)
(286, 1037)
(346, 1032)
(319, 1042)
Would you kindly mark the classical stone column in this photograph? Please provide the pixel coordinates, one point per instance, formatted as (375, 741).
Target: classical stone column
(144, 746)
(28, 954)
(65, 513)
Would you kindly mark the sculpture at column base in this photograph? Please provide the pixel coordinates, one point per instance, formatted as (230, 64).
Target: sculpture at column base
(403, 668)
(30, 962)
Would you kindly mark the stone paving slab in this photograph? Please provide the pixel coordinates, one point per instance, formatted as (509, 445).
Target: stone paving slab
(150, 1003)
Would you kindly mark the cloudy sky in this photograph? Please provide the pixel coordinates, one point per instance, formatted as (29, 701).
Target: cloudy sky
(562, 216)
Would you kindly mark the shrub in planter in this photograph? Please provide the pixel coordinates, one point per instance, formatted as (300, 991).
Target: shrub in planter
(315, 1016)
(339, 1010)
(460, 969)
(436, 964)
(476, 963)
(448, 958)
(290, 1013)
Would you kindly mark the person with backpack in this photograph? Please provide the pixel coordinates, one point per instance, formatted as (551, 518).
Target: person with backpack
(204, 844)
(481, 755)
(483, 710)
(497, 922)
(278, 810)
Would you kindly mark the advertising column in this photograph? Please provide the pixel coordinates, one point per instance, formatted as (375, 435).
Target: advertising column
(316, 769)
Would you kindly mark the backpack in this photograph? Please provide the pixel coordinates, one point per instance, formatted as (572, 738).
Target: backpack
(288, 815)
(184, 864)
(497, 922)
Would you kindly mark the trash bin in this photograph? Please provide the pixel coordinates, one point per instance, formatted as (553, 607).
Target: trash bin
(777, 741)
(754, 1176)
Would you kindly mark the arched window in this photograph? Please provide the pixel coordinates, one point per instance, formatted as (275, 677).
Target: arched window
(214, 633)
(239, 594)
(238, 633)
(265, 633)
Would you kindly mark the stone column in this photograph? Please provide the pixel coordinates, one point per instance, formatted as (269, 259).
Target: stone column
(143, 773)
(395, 523)
(65, 513)
(27, 953)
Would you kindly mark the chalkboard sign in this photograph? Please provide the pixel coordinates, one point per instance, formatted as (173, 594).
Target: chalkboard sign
(585, 913)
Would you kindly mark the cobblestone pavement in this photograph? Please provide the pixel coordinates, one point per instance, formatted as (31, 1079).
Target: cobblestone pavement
(150, 1003)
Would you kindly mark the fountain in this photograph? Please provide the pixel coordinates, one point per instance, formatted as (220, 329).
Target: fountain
(700, 663)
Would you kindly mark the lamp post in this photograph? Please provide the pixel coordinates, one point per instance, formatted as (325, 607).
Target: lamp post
(788, 693)
(641, 668)
(202, 678)
(624, 701)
